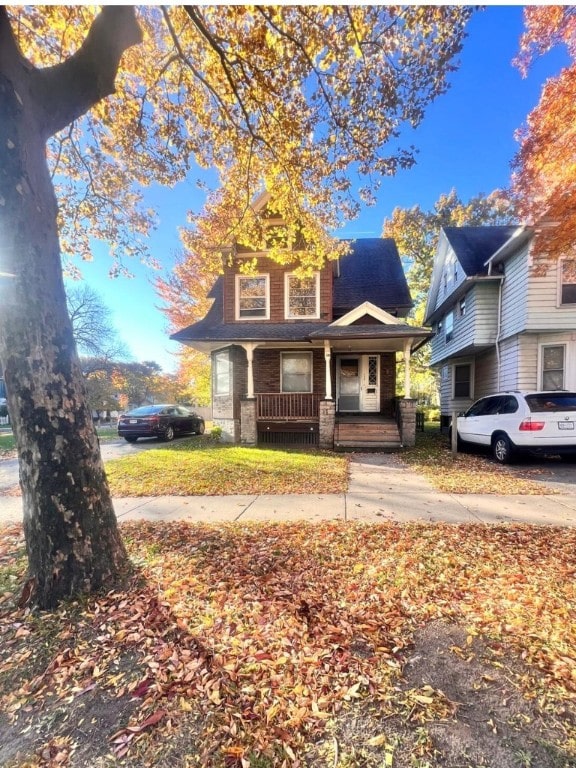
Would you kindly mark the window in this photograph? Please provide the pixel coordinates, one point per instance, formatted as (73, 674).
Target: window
(449, 325)
(296, 371)
(252, 297)
(568, 281)
(463, 306)
(221, 373)
(462, 380)
(302, 296)
(553, 367)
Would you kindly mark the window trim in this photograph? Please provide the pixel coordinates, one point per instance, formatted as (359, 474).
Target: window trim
(221, 353)
(470, 394)
(310, 357)
(287, 315)
(449, 332)
(560, 303)
(541, 348)
(266, 315)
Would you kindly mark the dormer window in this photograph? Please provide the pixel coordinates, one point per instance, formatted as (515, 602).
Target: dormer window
(302, 297)
(252, 297)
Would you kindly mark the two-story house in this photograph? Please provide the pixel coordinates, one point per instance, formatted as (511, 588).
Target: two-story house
(498, 324)
(312, 360)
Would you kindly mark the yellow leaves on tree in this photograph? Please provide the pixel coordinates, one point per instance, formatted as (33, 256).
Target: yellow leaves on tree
(544, 181)
(283, 98)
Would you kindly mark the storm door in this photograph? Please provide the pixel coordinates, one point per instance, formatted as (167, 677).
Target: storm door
(358, 383)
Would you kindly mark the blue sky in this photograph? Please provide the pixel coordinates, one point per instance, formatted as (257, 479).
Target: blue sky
(466, 141)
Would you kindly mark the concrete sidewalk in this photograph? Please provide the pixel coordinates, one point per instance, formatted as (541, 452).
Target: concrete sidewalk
(381, 488)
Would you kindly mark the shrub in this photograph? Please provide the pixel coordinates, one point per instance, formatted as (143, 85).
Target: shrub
(216, 433)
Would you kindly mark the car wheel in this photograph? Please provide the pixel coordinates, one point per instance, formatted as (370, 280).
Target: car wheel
(502, 449)
(201, 428)
(130, 438)
(168, 434)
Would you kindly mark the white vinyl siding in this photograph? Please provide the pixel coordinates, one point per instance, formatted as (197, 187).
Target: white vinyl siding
(514, 293)
(544, 312)
(476, 328)
(485, 378)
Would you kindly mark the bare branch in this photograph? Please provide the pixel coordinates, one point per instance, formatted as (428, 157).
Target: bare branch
(68, 90)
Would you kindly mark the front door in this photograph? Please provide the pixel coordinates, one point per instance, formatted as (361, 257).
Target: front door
(359, 383)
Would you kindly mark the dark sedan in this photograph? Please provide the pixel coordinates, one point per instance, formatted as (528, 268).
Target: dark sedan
(161, 421)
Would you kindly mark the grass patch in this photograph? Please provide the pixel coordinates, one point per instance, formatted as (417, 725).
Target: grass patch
(7, 442)
(262, 645)
(199, 467)
(466, 472)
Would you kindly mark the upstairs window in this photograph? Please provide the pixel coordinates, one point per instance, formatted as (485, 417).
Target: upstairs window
(252, 297)
(568, 281)
(449, 325)
(302, 297)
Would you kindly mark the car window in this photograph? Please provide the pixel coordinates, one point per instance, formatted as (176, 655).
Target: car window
(552, 401)
(144, 410)
(183, 411)
(492, 406)
(508, 404)
(479, 408)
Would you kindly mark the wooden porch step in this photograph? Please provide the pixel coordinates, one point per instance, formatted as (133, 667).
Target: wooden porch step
(350, 434)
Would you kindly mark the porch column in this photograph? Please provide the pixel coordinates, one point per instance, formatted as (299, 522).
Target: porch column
(407, 345)
(327, 358)
(250, 347)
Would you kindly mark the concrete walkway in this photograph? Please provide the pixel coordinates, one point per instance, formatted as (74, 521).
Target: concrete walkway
(382, 488)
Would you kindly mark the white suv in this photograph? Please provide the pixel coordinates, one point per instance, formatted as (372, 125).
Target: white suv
(509, 422)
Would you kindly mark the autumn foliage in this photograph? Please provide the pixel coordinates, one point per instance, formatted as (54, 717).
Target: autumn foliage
(241, 645)
(544, 180)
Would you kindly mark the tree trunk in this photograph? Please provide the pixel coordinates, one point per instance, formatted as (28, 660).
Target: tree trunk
(72, 537)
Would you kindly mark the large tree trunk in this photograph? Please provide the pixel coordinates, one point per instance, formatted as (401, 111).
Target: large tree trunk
(72, 537)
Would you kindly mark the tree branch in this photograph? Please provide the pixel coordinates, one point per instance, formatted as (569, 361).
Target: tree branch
(68, 90)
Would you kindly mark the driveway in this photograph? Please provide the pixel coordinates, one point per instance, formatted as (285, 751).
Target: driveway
(111, 450)
(559, 476)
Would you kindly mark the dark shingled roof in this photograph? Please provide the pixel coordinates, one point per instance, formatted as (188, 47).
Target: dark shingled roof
(372, 331)
(473, 246)
(371, 272)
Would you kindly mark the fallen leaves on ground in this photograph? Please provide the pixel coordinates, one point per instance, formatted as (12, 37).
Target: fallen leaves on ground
(468, 472)
(193, 468)
(262, 633)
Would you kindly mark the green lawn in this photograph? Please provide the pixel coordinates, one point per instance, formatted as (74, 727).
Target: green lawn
(7, 442)
(197, 467)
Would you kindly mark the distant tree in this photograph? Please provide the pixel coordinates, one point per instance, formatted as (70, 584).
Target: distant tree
(288, 97)
(416, 233)
(92, 325)
(544, 175)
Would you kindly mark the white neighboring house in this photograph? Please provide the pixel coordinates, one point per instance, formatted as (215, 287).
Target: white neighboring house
(498, 326)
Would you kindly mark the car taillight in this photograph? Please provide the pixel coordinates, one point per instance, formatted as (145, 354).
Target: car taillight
(531, 426)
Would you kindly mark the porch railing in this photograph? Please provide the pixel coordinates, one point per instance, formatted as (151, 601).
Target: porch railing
(287, 406)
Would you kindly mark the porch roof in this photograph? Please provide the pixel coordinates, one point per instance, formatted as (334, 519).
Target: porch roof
(372, 331)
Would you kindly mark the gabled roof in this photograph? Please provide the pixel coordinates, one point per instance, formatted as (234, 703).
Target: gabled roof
(372, 272)
(473, 246)
(366, 281)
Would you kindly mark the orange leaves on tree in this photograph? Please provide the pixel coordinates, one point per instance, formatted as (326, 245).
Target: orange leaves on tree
(545, 167)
